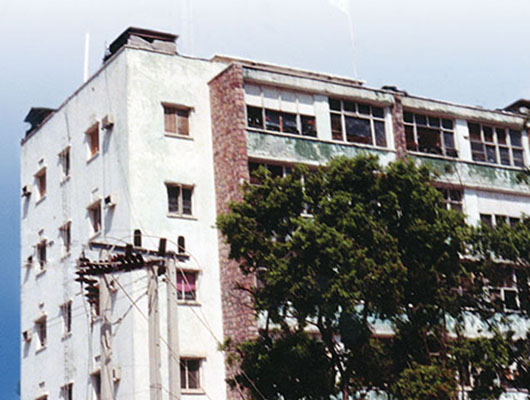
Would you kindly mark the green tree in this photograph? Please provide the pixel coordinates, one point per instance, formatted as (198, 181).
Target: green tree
(379, 249)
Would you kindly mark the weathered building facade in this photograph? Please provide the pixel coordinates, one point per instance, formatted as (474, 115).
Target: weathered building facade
(157, 144)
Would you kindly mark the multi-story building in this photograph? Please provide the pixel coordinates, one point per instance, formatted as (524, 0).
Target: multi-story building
(154, 145)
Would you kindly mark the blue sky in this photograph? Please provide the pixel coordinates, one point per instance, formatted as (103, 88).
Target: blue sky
(466, 51)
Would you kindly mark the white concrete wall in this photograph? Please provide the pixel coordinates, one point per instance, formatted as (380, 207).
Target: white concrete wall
(70, 359)
(156, 158)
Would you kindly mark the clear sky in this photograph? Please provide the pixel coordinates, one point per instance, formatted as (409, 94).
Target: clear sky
(465, 51)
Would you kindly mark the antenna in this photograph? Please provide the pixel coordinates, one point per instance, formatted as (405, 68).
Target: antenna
(87, 47)
(344, 6)
(187, 25)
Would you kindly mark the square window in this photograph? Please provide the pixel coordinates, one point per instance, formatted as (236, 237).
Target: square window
(40, 179)
(66, 313)
(94, 214)
(179, 199)
(190, 373)
(176, 120)
(41, 329)
(429, 134)
(64, 160)
(187, 285)
(92, 138)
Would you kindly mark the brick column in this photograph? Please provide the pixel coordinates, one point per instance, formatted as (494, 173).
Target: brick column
(400, 140)
(227, 104)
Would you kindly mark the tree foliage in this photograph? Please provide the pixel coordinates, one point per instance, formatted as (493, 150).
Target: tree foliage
(368, 260)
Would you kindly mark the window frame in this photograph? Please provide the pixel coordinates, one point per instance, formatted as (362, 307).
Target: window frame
(171, 111)
(42, 255)
(181, 292)
(93, 141)
(445, 151)
(179, 201)
(66, 314)
(65, 161)
(41, 183)
(185, 377)
(301, 120)
(94, 210)
(495, 144)
(343, 113)
(67, 391)
(41, 330)
(450, 202)
(65, 232)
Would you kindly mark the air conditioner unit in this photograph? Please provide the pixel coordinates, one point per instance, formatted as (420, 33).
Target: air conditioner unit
(109, 201)
(107, 122)
(116, 374)
(26, 191)
(26, 335)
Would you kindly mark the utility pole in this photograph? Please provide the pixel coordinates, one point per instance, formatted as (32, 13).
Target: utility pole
(172, 331)
(107, 382)
(154, 334)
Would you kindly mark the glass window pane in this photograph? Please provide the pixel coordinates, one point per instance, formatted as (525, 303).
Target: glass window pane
(505, 155)
(289, 124)
(488, 134)
(421, 119)
(449, 141)
(518, 160)
(308, 126)
(486, 219)
(434, 122)
(334, 104)
(477, 150)
(358, 130)
(173, 193)
(501, 136)
(515, 138)
(407, 117)
(409, 135)
(378, 112)
(380, 138)
(275, 170)
(474, 130)
(272, 120)
(193, 374)
(336, 127)
(254, 117)
(447, 124)
(510, 299)
(349, 106)
(429, 140)
(364, 109)
(491, 154)
(186, 201)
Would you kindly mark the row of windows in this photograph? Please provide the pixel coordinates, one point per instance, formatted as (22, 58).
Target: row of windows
(190, 379)
(356, 122)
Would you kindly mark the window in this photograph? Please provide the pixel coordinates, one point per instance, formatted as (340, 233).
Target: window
(181, 243)
(276, 170)
(67, 391)
(94, 214)
(187, 285)
(96, 384)
(496, 145)
(190, 369)
(64, 161)
(452, 198)
(43, 397)
(506, 293)
(176, 120)
(492, 220)
(428, 134)
(66, 237)
(66, 313)
(280, 121)
(357, 122)
(92, 137)
(179, 199)
(41, 254)
(40, 179)
(40, 327)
